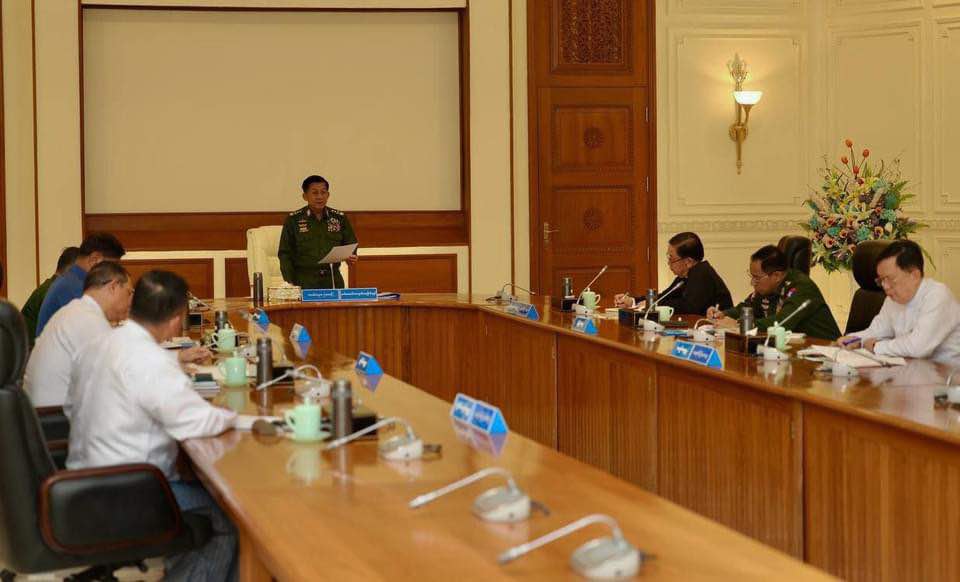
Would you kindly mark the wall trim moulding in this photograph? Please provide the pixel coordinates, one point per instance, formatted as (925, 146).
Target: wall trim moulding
(844, 7)
(913, 31)
(227, 230)
(740, 7)
(943, 201)
(731, 225)
(280, 4)
(676, 202)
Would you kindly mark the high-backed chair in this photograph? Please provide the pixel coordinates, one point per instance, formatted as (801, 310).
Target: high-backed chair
(868, 299)
(262, 245)
(799, 251)
(52, 520)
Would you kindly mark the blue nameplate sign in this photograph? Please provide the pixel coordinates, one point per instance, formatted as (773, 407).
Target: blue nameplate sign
(298, 334)
(261, 319)
(488, 419)
(371, 381)
(359, 294)
(584, 324)
(301, 349)
(523, 310)
(333, 295)
(462, 408)
(492, 444)
(697, 353)
(367, 364)
(478, 414)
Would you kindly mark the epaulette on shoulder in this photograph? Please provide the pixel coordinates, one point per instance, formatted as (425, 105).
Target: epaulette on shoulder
(335, 211)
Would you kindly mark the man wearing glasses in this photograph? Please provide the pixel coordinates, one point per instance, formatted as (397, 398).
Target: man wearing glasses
(920, 318)
(778, 292)
(702, 286)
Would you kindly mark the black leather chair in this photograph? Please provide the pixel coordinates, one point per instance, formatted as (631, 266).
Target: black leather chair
(799, 251)
(868, 299)
(106, 517)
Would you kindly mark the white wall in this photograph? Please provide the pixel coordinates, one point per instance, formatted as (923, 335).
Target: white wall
(886, 74)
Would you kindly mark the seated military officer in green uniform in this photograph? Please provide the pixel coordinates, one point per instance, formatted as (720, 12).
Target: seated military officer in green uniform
(309, 234)
(778, 292)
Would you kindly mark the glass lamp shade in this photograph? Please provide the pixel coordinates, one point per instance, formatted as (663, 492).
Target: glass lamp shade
(747, 97)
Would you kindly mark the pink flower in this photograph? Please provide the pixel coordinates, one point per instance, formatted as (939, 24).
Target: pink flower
(848, 142)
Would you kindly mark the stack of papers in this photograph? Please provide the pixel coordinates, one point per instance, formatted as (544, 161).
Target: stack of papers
(178, 343)
(860, 358)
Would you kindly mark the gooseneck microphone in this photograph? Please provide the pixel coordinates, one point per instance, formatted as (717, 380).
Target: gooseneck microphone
(608, 558)
(297, 373)
(398, 448)
(775, 353)
(502, 295)
(592, 281)
(505, 504)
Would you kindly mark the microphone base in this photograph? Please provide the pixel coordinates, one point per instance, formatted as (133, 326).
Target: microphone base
(502, 505)
(606, 559)
(401, 448)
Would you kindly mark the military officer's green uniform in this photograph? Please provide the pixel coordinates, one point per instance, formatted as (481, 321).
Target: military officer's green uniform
(305, 240)
(815, 321)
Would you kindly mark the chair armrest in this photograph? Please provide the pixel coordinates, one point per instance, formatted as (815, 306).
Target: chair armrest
(108, 508)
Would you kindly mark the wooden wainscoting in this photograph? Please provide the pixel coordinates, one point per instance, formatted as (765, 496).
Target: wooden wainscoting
(181, 231)
(197, 272)
(407, 273)
(236, 277)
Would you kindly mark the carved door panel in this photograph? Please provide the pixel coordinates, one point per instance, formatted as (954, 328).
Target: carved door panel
(593, 199)
(592, 188)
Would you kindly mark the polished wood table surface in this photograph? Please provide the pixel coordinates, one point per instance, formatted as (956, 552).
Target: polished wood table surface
(855, 476)
(305, 513)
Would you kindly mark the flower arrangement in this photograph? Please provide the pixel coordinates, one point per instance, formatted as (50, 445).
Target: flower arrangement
(857, 201)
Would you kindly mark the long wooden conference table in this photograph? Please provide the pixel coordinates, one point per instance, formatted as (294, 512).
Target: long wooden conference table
(859, 477)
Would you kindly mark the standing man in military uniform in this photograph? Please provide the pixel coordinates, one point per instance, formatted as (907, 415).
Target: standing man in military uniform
(309, 234)
(778, 292)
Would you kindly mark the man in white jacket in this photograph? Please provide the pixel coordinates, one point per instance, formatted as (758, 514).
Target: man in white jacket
(131, 403)
(920, 318)
(105, 301)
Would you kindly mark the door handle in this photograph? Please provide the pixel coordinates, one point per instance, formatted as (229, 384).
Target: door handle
(547, 230)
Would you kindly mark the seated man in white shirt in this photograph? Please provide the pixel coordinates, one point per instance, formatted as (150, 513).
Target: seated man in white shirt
(920, 318)
(132, 403)
(106, 300)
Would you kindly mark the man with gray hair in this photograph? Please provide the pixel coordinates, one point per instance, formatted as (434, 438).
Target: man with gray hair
(105, 301)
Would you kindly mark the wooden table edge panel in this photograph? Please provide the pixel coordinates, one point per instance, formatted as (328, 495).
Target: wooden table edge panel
(265, 562)
(466, 302)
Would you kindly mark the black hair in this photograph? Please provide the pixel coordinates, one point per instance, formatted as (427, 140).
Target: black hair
(158, 296)
(689, 246)
(314, 180)
(67, 257)
(104, 273)
(104, 243)
(771, 259)
(909, 255)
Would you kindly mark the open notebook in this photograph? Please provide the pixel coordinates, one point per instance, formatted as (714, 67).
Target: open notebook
(860, 358)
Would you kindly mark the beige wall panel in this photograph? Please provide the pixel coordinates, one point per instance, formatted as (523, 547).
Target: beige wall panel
(703, 178)
(58, 128)
(20, 268)
(734, 6)
(863, 62)
(490, 144)
(848, 7)
(946, 80)
(228, 111)
(521, 165)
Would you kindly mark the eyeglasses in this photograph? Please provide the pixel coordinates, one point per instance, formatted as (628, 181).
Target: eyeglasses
(885, 282)
(671, 260)
(756, 278)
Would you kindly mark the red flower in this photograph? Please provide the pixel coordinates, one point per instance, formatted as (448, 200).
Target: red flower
(844, 159)
(866, 153)
(856, 170)
(849, 143)
(860, 181)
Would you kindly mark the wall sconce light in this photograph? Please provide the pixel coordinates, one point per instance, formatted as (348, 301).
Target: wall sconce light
(745, 100)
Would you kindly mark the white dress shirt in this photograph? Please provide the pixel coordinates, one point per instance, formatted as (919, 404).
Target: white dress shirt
(68, 331)
(131, 402)
(926, 327)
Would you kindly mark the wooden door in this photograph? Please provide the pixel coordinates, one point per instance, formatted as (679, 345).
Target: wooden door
(592, 183)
